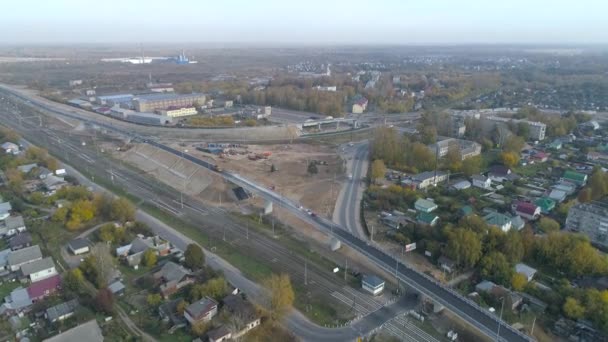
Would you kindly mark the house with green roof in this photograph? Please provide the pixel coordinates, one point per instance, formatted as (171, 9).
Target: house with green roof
(427, 218)
(424, 205)
(556, 144)
(577, 178)
(499, 220)
(545, 204)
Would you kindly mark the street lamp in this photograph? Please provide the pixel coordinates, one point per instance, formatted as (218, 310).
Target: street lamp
(181, 193)
(502, 306)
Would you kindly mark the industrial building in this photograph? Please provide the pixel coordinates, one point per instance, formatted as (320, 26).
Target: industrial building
(178, 112)
(114, 100)
(154, 102)
(589, 219)
(537, 129)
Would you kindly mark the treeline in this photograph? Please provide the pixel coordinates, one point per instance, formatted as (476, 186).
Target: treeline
(399, 152)
(293, 97)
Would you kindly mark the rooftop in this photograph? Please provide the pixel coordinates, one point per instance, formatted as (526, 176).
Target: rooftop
(43, 287)
(55, 312)
(24, 255)
(525, 269)
(37, 266)
(201, 307)
(496, 219)
(88, 331)
(78, 243)
(425, 204)
(372, 280)
(160, 97)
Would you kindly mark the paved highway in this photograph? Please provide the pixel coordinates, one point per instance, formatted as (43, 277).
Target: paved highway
(347, 209)
(486, 322)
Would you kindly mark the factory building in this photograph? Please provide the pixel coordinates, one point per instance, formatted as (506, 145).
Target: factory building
(155, 102)
(178, 112)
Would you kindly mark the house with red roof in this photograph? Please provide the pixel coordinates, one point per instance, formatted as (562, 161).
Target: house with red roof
(540, 157)
(528, 211)
(44, 288)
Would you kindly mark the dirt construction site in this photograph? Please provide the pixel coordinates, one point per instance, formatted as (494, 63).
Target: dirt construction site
(283, 168)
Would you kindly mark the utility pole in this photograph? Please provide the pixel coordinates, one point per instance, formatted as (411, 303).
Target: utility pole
(372, 232)
(345, 268)
(397, 275)
(532, 330)
(500, 320)
(305, 272)
(224, 237)
(247, 227)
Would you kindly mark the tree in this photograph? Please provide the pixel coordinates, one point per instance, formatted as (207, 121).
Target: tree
(60, 215)
(464, 247)
(154, 299)
(513, 246)
(216, 288)
(74, 280)
(518, 281)
(106, 233)
(181, 307)
(149, 258)
(378, 169)
(282, 295)
(495, 267)
(200, 328)
(273, 168)
(509, 159)
(514, 144)
(90, 270)
(471, 166)
(548, 225)
(104, 263)
(195, 258)
(122, 210)
(573, 308)
(312, 168)
(598, 184)
(453, 158)
(585, 195)
(104, 301)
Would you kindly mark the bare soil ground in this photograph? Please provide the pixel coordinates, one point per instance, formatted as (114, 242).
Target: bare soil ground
(317, 192)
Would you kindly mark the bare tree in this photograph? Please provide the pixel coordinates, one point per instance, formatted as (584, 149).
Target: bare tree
(105, 263)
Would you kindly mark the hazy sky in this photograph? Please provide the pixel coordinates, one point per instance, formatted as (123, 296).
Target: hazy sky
(304, 21)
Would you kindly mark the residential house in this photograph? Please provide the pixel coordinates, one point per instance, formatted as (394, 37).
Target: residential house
(526, 210)
(172, 277)
(372, 284)
(501, 173)
(89, 332)
(427, 218)
(465, 211)
(219, 334)
(13, 225)
(557, 195)
(168, 313)
(117, 288)
(39, 269)
(556, 144)
(394, 221)
(61, 311)
(4, 260)
(201, 311)
(447, 265)
(20, 241)
(5, 210)
(466, 148)
(546, 204)
(461, 185)
(23, 256)
(78, 246)
(512, 299)
(44, 288)
(425, 205)
(10, 148)
(244, 311)
(539, 157)
(597, 156)
(580, 179)
(359, 105)
(425, 179)
(43, 173)
(54, 183)
(16, 302)
(27, 167)
(526, 270)
(566, 187)
(481, 181)
(499, 220)
(517, 223)
(133, 252)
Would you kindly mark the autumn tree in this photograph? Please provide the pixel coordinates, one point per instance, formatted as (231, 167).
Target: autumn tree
(495, 267)
(90, 270)
(464, 247)
(509, 159)
(154, 299)
(513, 246)
(216, 288)
(74, 280)
(378, 169)
(104, 301)
(181, 307)
(548, 225)
(149, 258)
(122, 210)
(282, 295)
(573, 308)
(453, 158)
(195, 258)
(471, 166)
(518, 281)
(585, 195)
(514, 144)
